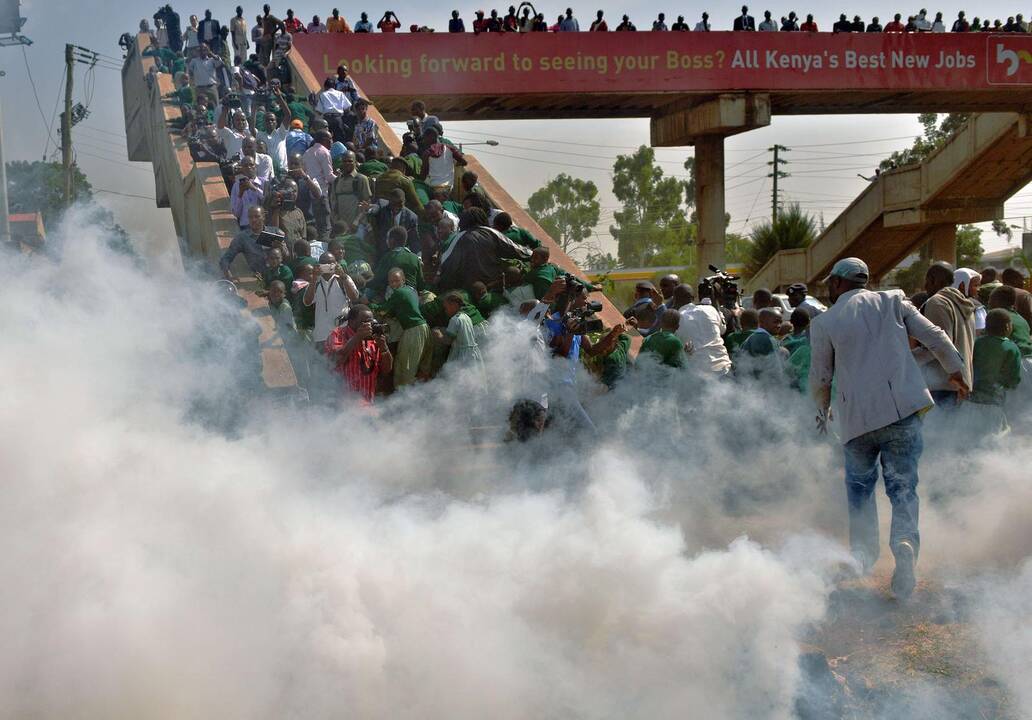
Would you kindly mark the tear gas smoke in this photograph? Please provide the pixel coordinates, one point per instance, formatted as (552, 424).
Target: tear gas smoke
(318, 561)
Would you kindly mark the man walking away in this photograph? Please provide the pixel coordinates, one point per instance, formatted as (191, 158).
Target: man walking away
(862, 341)
(955, 314)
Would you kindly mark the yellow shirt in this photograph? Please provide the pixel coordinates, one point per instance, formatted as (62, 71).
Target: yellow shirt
(338, 25)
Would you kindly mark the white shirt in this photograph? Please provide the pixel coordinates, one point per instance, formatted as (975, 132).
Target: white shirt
(702, 325)
(768, 26)
(441, 170)
(330, 301)
(263, 165)
(333, 101)
(921, 23)
(232, 139)
(318, 163)
(701, 26)
(938, 26)
(276, 144)
(203, 71)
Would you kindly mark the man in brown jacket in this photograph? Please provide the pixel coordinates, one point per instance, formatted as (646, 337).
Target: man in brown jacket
(955, 314)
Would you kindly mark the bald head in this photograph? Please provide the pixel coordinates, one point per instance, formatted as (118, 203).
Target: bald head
(667, 283)
(683, 295)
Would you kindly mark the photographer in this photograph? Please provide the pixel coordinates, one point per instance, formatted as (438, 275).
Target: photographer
(360, 353)
(331, 294)
(389, 23)
(284, 213)
(248, 191)
(701, 328)
(565, 331)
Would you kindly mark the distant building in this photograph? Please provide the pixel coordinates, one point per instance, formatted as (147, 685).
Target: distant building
(27, 231)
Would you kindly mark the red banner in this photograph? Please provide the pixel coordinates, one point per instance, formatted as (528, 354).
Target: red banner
(646, 62)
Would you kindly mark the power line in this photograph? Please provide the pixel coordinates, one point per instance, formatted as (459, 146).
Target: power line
(116, 192)
(116, 162)
(101, 130)
(39, 105)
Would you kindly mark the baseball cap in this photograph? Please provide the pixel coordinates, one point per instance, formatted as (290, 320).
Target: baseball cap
(296, 125)
(796, 288)
(852, 269)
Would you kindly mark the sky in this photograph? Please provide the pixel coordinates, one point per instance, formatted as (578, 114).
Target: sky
(826, 152)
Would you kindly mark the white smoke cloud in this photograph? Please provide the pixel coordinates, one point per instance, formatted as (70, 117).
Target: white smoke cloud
(319, 561)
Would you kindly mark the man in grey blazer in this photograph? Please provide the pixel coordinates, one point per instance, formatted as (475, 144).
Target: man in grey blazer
(862, 341)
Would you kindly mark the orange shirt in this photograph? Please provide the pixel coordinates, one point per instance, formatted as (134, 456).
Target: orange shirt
(338, 25)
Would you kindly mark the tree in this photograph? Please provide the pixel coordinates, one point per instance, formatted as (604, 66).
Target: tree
(969, 255)
(969, 246)
(39, 187)
(935, 136)
(652, 227)
(792, 230)
(737, 249)
(600, 262)
(566, 208)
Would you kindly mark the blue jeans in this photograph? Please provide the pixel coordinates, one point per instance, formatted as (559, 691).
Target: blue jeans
(898, 447)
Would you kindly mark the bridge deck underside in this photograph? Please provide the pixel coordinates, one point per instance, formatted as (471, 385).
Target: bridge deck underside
(1000, 171)
(619, 105)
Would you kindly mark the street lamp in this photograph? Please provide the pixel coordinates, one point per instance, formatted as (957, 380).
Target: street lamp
(492, 143)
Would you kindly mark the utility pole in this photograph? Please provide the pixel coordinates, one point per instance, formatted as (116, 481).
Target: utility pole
(66, 126)
(776, 173)
(5, 220)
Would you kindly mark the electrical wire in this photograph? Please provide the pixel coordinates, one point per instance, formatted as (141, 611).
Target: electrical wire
(39, 105)
(123, 194)
(116, 162)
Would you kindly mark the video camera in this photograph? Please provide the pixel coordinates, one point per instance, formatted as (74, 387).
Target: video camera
(583, 320)
(722, 287)
(231, 100)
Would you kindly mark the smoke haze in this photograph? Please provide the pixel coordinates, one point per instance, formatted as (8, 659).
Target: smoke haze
(319, 561)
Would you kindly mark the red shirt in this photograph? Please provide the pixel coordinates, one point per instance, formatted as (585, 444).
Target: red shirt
(388, 26)
(808, 27)
(480, 25)
(361, 368)
(599, 26)
(293, 26)
(894, 26)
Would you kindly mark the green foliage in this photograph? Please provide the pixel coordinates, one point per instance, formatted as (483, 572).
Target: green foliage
(969, 247)
(792, 230)
(969, 254)
(652, 228)
(39, 187)
(935, 135)
(737, 249)
(601, 262)
(567, 208)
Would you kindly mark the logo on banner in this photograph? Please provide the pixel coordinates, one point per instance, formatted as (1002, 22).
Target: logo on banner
(1010, 62)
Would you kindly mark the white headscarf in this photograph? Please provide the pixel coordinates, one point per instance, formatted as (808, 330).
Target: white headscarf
(962, 279)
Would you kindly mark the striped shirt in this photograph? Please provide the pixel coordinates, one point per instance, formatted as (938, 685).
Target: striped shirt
(361, 368)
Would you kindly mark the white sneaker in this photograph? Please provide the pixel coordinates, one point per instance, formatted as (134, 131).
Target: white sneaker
(903, 577)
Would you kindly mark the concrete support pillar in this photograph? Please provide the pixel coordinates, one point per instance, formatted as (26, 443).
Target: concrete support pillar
(709, 201)
(942, 242)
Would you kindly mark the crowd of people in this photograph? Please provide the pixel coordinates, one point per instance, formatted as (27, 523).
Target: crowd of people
(526, 18)
(384, 270)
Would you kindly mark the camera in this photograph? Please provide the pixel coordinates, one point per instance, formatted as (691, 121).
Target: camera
(231, 100)
(379, 329)
(582, 320)
(721, 287)
(575, 285)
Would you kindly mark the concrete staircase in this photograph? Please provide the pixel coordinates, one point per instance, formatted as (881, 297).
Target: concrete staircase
(966, 180)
